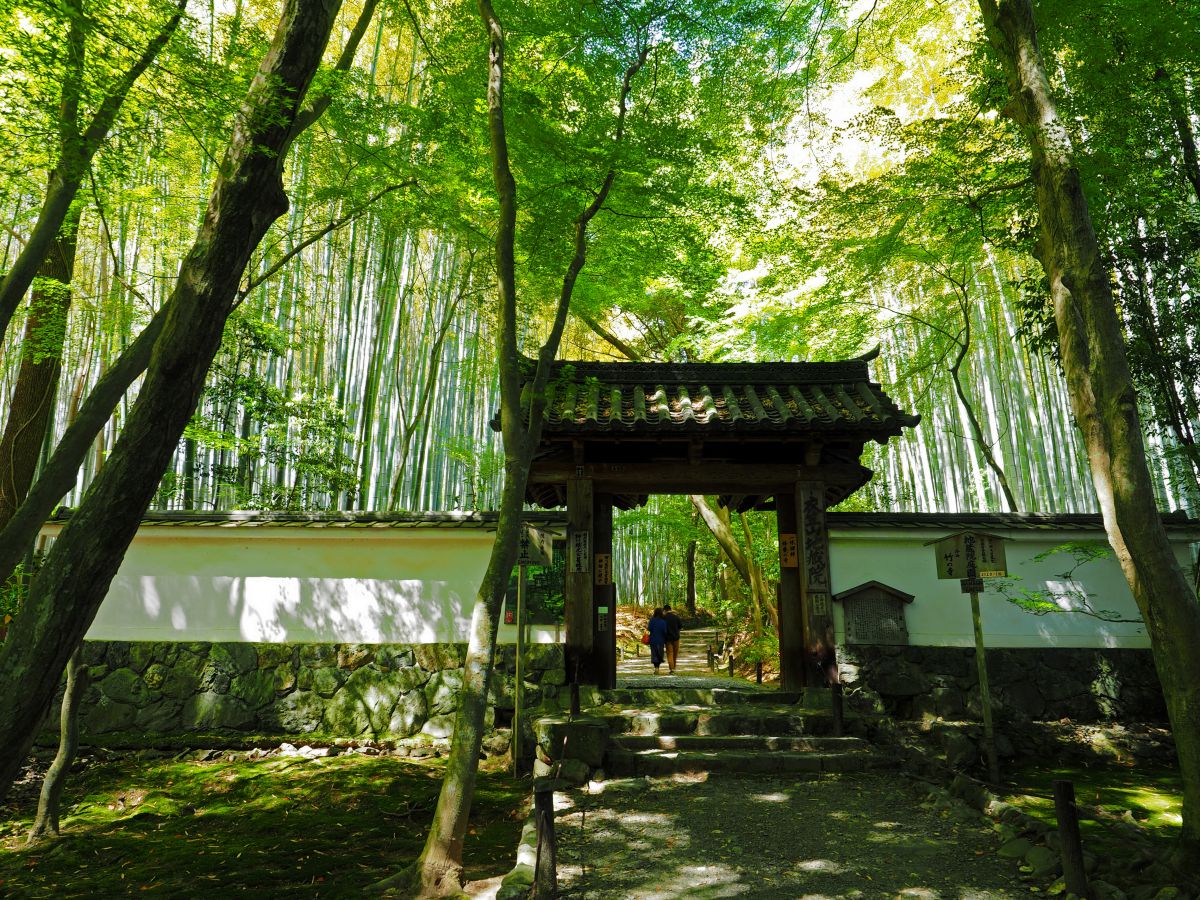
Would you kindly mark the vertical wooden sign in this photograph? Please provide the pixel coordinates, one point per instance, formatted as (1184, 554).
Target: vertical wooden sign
(604, 568)
(820, 644)
(578, 612)
(789, 551)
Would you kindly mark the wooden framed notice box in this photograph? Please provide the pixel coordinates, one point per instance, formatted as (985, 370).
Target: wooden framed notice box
(874, 614)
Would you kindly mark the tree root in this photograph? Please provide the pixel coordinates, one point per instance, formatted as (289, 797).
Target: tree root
(417, 882)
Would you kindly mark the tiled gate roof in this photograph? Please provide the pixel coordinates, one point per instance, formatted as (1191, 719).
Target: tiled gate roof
(719, 398)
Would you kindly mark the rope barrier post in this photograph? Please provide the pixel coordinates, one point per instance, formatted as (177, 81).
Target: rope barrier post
(838, 724)
(1067, 814)
(545, 877)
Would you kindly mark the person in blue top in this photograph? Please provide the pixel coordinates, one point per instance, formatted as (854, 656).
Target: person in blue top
(657, 626)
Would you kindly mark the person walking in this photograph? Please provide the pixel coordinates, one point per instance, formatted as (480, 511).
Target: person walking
(657, 626)
(674, 626)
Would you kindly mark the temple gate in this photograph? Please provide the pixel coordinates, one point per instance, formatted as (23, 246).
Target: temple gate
(786, 436)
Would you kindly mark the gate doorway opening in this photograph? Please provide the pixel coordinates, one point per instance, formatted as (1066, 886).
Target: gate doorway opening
(782, 436)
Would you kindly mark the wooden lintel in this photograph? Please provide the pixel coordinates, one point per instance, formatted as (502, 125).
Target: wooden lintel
(705, 478)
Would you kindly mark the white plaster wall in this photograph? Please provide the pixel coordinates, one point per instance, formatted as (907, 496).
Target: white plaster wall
(265, 584)
(417, 585)
(941, 616)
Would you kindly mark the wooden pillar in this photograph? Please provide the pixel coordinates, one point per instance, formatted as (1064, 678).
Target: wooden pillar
(604, 643)
(820, 647)
(792, 671)
(578, 613)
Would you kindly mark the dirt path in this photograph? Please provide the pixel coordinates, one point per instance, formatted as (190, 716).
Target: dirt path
(851, 836)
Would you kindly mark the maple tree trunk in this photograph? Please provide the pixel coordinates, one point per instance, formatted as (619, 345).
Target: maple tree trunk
(1102, 396)
(32, 403)
(246, 198)
(50, 798)
(691, 578)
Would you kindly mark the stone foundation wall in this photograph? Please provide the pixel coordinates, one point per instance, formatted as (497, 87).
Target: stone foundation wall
(341, 690)
(1086, 685)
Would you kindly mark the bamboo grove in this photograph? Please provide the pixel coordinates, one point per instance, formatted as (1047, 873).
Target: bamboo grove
(356, 371)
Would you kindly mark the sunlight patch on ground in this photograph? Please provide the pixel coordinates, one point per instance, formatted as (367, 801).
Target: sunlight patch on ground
(777, 797)
(821, 865)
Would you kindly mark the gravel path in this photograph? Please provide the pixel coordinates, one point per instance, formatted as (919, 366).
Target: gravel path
(850, 836)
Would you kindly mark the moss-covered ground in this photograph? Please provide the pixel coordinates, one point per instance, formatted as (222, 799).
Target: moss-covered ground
(1148, 798)
(164, 827)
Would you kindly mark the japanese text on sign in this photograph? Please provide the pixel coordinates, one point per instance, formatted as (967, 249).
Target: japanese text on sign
(789, 554)
(603, 568)
(580, 551)
(970, 555)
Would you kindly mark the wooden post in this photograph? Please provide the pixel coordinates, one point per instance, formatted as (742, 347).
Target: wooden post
(985, 693)
(820, 646)
(758, 672)
(604, 641)
(792, 673)
(838, 709)
(545, 878)
(1071, 851)
(578, 613)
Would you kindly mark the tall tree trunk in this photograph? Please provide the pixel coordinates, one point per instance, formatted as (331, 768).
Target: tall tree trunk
(32, 405)
(247, 197)
(719, 524)
(438, 870)
(77, 145)
(691, 578)
(985, 446)
(1102, 395)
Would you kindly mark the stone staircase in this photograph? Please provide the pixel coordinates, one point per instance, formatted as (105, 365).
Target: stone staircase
(692, 730)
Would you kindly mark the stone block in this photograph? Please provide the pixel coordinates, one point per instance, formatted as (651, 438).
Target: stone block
(234, 658)
(315, 656)
(327, 681)
(409, 678)
(1015, 849)
(107, 715)
(436, 657)
(441, 726)
(442, 691)
(408, 715)
(272, 655)
(155, 676)
(161, 715)
(283, 676)
(1042, 861)
(556, 676)
(256, 689)
(125, 686)
(354, 656)
(211, 710)
(143, 653)
(300, 712)
(573, 771)
(584, 739)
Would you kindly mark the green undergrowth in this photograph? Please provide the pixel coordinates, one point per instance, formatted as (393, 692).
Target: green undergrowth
(283, 826)
(1108, 797)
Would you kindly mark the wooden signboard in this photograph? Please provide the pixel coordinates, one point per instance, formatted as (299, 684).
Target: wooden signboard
(537, 547)
(970, 554)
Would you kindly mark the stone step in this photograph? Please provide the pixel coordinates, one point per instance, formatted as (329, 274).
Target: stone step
(701, 720)
(660, 763)
(761, 743)
(673, 696)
